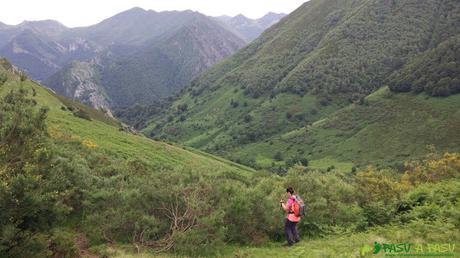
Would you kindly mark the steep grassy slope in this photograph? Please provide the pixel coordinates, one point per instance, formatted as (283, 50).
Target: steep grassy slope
(68, 168)
(314, 66)
(107, 135)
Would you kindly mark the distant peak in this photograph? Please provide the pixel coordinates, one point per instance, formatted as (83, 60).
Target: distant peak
(136, 9)
(241, 18)
(3, 25)
(272, 14)
(45, 26)
(42, 22)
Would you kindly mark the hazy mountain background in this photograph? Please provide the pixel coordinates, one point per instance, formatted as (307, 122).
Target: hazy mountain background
(156, 55)
(41, 49)
(134, 57)
(249, 29)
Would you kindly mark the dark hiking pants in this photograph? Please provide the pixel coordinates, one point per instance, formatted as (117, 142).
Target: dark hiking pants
(290, 228)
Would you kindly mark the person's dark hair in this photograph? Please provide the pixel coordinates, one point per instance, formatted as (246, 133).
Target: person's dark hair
(290, 190)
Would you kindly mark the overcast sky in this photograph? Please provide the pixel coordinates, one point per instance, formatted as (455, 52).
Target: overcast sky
(75, 13)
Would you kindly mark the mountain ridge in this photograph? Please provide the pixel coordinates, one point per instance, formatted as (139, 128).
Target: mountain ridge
(126, 38)
(162, 67)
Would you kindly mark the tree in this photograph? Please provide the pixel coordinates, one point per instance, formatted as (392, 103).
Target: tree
(26, 203)
(182, 108)
(247, 118)
(278, 156)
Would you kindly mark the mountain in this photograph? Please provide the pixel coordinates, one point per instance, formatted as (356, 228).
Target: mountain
(49, 28)
(80, 81)
(314, 87)
(270, 19)
(39, 48)
(135, 26)
(250, 29)
(125, 75)
(136, 56)
(167, 65)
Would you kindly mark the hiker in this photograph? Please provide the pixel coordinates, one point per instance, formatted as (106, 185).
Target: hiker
(290, 226)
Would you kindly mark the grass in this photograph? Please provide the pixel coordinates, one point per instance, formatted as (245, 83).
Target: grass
(390, 129)
(387, 130)
(327, 162)
(384, 131)
(334, 246)
(105, 133)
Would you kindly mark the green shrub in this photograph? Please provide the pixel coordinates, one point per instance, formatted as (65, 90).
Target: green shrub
(82, 114)
(432, 202)
(27, 206)
(23, 77)
(331, 202)
(3, 79)
(62, 244)
(278, 156)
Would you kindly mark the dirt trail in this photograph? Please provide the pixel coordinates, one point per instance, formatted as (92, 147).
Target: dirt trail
(82, 244)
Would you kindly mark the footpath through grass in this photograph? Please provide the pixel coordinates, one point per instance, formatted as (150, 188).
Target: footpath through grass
(335, 246)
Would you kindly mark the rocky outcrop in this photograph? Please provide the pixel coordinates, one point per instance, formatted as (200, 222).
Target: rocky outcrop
(79, 82)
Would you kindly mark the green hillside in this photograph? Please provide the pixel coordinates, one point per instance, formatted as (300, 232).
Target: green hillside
(75, 183)
(388, 129)
(108, 135)
(313, 88)
(435, 71)
(79, 171)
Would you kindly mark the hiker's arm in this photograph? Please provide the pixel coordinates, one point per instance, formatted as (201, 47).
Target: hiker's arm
(285, 206)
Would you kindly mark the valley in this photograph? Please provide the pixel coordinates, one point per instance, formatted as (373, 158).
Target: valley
(327, 89)
(177, 134)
